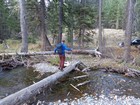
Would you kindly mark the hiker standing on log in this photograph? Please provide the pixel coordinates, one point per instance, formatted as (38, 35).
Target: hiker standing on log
(60, 50)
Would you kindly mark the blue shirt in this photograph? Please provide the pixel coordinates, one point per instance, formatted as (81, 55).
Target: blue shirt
(64, 47)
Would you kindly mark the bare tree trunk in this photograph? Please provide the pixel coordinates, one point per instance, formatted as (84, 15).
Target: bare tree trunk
(128, 31)
(100, 27)
(60, 20)
(71, 35)
(45, 41)
(23, 25)
(80, 38)
(117, 17)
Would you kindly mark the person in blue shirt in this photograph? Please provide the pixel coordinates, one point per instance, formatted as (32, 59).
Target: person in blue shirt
(61, 53)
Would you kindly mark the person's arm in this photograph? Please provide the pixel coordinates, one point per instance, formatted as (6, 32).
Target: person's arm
(55, 50)
(66, 48)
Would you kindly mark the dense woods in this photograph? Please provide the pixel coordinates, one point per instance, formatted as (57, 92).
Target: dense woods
(50, 21)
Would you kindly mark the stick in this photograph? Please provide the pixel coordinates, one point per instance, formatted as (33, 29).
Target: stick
(82, 76)
(80, 84)
(86, 69)
(75, 87)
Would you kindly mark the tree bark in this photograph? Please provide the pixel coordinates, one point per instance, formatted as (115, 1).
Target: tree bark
(80, 37)
(71, 36)
(23, 25)
(60, 20)
(46, 45)
(128, 31)
(117, 17)
(100, 27)
(25, 94)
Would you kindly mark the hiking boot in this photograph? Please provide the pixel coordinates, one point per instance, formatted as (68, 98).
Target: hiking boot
(61, 69)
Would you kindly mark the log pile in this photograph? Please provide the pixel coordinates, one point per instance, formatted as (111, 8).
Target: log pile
(126, 71)
(10, 64)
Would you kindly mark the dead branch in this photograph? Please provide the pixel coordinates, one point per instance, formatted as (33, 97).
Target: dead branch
(82, 76)
(81, 84)
(86, 69)
(75, 88)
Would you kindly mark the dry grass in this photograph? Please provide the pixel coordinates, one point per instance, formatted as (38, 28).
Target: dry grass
(15, 46)
(113, 51)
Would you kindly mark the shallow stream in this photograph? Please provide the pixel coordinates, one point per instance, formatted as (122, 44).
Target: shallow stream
(14, 80)
(104, 88)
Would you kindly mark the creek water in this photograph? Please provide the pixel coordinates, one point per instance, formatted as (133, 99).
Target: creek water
(105, 88)
(14, 80)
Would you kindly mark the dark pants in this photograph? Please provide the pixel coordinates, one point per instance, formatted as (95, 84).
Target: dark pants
(61, 62)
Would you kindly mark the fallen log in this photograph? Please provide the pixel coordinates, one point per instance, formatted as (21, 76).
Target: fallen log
(91, 52)
(27, 54)
(6, 65)
(25, 94)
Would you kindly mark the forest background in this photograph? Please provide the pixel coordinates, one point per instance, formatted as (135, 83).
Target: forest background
(47, 22)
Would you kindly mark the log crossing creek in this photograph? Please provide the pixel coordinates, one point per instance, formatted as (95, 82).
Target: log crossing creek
(95, 87)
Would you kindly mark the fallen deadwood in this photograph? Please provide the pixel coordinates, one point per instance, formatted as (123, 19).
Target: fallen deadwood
(25, 94)
(75, 87)
(27, 63)
(86, 69)
(82, 76)
(91, 52)
(10, 64)
(81, 84)
(126, 71)
(28, 54)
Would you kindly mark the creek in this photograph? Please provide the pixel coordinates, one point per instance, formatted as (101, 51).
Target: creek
(14, 80)
(105, 88)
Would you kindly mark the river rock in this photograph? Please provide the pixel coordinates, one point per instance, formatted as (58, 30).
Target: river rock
(45, 67)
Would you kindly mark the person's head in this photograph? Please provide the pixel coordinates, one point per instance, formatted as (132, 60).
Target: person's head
(63, 41)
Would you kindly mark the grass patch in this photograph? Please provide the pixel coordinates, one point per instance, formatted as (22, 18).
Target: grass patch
(54, 60)
(15, 46)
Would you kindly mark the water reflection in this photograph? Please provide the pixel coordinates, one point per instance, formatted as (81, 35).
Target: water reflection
(104, 89)
(14, 80)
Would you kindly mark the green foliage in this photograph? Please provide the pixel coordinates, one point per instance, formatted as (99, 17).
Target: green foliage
(9, 23)
(33, 10)
(32, 39)
(84, 16)
(53, 17)
(76, 15)
(54, 61)
(113, 9)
